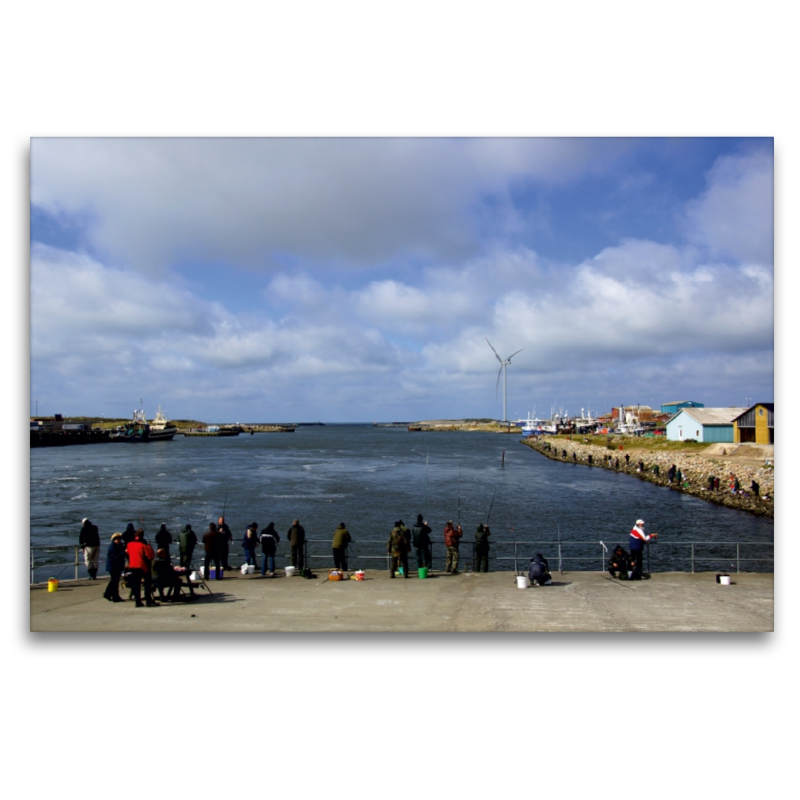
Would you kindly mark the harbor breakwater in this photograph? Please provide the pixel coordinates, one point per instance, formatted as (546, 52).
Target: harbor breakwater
(653, 467)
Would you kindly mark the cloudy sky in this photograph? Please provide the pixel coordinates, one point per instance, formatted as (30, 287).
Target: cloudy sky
(331, 279)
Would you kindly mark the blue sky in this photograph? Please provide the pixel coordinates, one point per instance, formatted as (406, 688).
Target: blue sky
(335, 279)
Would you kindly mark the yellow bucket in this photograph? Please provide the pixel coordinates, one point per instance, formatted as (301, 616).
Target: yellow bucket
(52, 585)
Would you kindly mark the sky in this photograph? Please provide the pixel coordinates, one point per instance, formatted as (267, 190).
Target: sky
(359, 279)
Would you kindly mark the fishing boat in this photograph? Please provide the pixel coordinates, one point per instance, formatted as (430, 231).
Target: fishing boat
(160, 428)
(140, 430)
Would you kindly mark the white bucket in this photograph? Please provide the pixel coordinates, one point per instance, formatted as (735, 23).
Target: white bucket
(523, 582)
(725, 580)
(195, 576)
(290, 571)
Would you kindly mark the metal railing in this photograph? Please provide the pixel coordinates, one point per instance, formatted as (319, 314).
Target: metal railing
(54, 560)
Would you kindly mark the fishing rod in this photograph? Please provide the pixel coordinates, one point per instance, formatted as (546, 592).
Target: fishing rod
(425, 506)
(459, 494)
(488, 513)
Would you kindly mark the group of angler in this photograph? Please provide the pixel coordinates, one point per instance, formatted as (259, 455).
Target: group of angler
(131, 553)
(401, 540)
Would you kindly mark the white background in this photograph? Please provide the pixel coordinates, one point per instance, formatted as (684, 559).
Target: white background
(391, 715)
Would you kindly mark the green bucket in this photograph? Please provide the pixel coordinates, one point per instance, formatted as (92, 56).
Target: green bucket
(422, 572)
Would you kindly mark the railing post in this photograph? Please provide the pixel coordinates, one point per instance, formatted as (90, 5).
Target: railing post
(33, 567)
(737, 558)
(692, 558)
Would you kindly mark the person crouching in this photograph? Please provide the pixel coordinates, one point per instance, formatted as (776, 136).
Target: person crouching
(539, 570)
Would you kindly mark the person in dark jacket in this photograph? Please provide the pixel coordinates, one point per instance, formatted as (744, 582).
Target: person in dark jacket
(421, 536)
(482, 548)
(163, 538)
(115, 564)
(269, 544)
(397, 548)
(164, 576)
(211, 544)
(89, 541)
(129, 535)
(187, 542)
(619, 563)
(225, 539)
(250, 544)
(341, 538)
(297, 540)
(539, 570)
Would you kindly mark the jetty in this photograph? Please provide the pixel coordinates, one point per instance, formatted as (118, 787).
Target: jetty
(444, 603)
(745, 462)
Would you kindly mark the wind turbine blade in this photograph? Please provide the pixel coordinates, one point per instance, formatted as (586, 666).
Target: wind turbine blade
(513, 354)
(493, 350)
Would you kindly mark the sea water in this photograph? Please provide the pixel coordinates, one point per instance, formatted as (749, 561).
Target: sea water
(370, 477)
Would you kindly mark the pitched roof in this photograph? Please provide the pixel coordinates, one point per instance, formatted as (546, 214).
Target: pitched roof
(712, 416)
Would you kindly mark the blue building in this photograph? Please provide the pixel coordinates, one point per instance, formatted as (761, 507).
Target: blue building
(674, 408)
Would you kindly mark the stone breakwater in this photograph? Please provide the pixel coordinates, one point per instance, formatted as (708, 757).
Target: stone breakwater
(695, 472)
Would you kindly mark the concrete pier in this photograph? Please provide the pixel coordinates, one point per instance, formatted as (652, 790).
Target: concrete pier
(468, 602)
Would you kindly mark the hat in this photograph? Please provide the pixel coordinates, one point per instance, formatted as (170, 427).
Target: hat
(640, 522)
(84, 520)
(253, 525)
(116, 536)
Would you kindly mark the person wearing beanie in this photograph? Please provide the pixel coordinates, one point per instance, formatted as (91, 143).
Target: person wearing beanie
(115, 564)
(89, 541)
(421, 537)
(341, 538)
(482, 535)
(186, 544)
(163, 538)
(269, 545)
(297, 539)
(129, 535)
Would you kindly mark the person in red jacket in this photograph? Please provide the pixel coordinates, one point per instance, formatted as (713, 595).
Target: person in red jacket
(140, 559)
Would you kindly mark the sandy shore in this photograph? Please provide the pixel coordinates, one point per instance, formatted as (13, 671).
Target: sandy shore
(745, 462)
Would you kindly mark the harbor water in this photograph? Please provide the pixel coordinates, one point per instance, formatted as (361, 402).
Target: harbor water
(369, 477)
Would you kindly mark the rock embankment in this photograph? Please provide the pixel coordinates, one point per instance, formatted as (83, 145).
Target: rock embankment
(654, 467)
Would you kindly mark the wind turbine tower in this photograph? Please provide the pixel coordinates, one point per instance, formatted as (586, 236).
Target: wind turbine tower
(503, 365)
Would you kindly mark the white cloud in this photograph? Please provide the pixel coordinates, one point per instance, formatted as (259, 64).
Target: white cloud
(151, 202)
(733, 218)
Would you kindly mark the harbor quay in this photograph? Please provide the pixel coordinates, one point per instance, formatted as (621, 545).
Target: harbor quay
(695, 469)
(575, 602)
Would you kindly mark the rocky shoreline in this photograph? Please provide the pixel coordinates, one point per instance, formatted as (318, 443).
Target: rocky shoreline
(695, 471)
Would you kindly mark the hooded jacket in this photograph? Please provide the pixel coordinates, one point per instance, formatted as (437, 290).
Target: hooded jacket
(341, 538)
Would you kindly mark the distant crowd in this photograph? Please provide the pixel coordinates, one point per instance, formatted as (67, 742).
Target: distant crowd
(131, 558)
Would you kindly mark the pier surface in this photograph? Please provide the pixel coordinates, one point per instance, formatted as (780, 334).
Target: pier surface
(468, 602)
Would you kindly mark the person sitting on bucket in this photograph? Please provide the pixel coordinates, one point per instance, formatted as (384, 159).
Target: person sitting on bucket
(539, 570)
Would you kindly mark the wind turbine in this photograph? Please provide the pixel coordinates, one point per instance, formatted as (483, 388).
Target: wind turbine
(503, 365)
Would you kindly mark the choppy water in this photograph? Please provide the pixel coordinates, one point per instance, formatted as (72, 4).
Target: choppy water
(369, 477)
